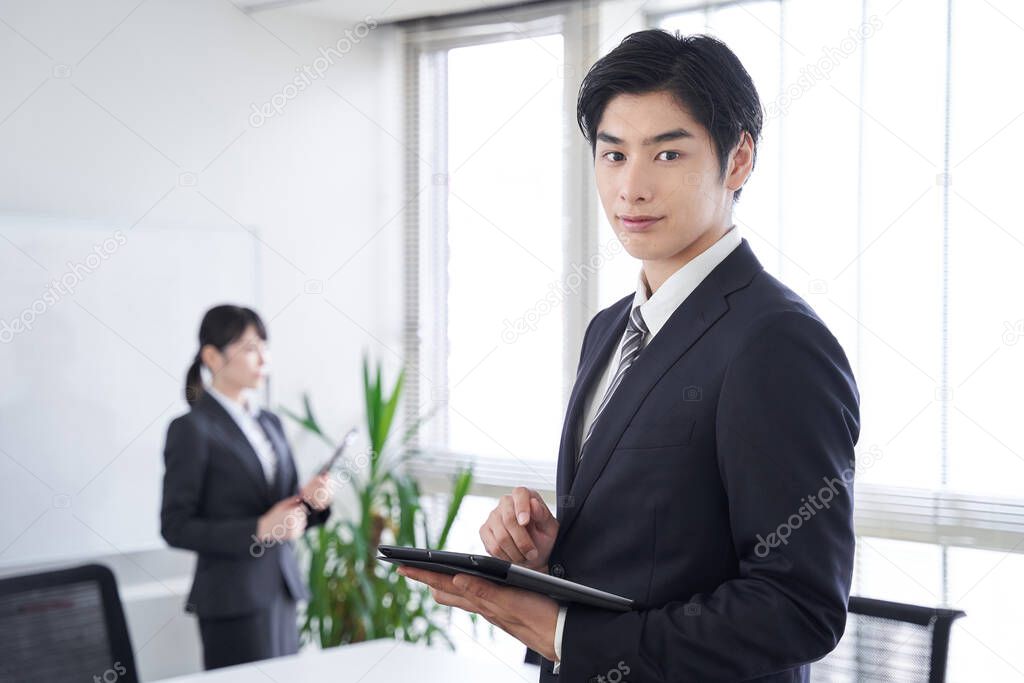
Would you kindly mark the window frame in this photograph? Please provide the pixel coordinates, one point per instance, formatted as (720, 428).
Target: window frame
(425, 43)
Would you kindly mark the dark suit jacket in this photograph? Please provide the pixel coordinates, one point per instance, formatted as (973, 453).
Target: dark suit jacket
(693, 495)
(214, 491)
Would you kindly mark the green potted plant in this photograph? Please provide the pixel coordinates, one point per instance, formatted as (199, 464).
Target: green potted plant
(354, 597)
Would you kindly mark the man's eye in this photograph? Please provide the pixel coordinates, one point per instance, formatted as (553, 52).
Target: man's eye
(677, 155)
(606, 156)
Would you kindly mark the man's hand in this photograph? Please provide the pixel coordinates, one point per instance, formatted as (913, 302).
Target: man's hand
(318, 492)
(521, 529)
(527, 616)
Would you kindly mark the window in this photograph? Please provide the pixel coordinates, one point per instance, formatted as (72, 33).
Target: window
(504, 247)
(880, 195)
(498, 313)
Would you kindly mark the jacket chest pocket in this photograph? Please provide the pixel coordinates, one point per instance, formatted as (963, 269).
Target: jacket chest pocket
(651, 432)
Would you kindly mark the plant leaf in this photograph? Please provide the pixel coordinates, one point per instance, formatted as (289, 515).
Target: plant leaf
(463, 481)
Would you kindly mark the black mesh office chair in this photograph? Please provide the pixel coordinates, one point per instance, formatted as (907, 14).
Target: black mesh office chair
(889, 641)
(64, 625)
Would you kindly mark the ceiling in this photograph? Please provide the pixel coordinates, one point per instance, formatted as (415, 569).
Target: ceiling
(357, 10)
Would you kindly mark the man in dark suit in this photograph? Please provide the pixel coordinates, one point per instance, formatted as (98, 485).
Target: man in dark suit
(706, 460)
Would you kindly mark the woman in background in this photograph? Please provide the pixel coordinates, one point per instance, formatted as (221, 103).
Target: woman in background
(231, 494)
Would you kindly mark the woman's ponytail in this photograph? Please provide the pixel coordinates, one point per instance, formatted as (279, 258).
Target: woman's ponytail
(194, 381)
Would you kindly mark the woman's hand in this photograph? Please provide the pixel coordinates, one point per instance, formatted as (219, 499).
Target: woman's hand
(283, 522)
(521, 529)
(318, 492)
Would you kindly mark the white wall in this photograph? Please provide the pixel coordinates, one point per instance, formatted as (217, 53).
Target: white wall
(120, 116)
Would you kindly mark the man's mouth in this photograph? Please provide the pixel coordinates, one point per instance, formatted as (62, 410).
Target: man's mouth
(638, 222)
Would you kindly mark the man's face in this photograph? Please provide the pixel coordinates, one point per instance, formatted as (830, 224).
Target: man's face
(656, 164)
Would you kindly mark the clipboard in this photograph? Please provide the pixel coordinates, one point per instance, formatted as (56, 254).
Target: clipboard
(331, 462)
(503, 572)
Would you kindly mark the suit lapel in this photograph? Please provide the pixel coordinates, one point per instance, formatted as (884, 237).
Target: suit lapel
(702, 309)
(591, 367)
(233, 438)
(282, 484)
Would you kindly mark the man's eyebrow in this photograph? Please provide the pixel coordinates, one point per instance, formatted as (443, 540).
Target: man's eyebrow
(678, 133)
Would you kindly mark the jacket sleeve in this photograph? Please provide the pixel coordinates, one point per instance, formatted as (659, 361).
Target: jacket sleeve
(318, 517)
(786, 426)
(181, 522)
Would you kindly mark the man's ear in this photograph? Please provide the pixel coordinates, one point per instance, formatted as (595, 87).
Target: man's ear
(741, 162)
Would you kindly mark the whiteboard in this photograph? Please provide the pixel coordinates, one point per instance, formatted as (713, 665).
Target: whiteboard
(98, 324)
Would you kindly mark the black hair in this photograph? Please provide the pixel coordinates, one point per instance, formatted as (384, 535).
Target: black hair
(221, 326)
(703, 75)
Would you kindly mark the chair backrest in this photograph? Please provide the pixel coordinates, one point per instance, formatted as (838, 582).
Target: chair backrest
(889, 641)
(64, 625)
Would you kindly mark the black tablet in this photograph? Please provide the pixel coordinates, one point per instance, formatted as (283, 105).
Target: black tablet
(504, 572)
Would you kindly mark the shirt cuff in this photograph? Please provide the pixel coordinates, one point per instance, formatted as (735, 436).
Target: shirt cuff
(559, 627)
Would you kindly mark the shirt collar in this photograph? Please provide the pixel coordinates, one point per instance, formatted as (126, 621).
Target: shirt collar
(657, 308)
(237, 410)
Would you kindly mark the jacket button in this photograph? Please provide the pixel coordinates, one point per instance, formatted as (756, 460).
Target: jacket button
(557, 570)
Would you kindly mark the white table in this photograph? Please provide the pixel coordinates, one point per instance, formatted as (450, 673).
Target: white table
(370, 662)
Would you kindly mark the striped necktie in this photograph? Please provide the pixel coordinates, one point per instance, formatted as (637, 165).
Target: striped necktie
(633, 342)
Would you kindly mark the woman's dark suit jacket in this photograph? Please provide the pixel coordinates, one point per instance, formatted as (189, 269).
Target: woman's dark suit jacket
(214, 492)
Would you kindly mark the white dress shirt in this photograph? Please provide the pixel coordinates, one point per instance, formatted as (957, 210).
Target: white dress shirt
(656, 309)
(244, 415)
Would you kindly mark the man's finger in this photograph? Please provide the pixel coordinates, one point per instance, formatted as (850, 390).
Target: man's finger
(491, 543)
(543, 519)
(471, 585)
(521, 537)
(508, 545)
(469, 588)
(436, 580)
(521, 501)
(459, 601)
(485, 596)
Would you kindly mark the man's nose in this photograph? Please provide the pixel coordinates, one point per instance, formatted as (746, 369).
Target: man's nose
(635, 185)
